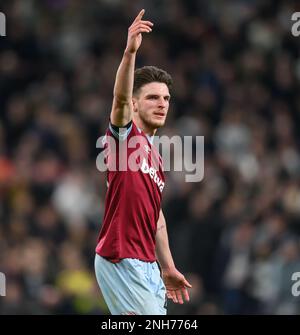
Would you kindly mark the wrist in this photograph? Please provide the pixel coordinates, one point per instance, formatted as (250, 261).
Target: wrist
(168, 268)
(129, 53)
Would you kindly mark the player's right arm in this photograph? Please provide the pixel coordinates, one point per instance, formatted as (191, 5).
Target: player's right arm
(122, 108)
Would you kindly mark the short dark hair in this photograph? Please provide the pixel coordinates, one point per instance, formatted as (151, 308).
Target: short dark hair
(150, 74)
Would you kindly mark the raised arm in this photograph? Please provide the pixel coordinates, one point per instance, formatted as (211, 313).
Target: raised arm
(122, 108)
(175, 282)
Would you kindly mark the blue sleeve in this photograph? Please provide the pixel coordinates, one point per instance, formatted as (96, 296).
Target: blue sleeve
(121, 133)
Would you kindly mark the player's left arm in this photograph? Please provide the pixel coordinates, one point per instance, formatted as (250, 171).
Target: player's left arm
(175, 282)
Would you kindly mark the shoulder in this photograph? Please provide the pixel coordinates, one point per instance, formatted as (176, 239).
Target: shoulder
(121, 133)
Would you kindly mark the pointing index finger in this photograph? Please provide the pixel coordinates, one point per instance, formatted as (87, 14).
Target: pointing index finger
(139, 16)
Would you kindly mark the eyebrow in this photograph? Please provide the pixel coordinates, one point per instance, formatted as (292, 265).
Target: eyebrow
(156, 95)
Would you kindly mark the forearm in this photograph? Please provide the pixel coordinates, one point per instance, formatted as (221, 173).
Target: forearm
(162, 250)
(121, 109)
(125, 77)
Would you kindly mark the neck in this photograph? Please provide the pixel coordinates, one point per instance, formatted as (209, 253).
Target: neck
(146, 129)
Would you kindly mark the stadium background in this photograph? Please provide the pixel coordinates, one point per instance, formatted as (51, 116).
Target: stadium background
(236, 69)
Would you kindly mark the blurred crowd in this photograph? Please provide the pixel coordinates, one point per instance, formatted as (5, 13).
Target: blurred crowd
(236, 71)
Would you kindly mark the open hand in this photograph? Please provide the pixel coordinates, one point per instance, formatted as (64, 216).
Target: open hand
(176, 285)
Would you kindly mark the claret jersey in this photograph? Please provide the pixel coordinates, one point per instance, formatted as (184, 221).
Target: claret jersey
(135, 181)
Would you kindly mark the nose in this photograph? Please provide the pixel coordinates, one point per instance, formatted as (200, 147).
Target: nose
(162, 102)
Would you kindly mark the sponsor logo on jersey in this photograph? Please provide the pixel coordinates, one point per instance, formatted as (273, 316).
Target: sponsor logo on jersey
(153, 174)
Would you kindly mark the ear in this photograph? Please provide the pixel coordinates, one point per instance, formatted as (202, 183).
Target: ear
(134, 104)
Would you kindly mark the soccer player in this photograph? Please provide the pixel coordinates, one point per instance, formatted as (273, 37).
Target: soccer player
(134, 235)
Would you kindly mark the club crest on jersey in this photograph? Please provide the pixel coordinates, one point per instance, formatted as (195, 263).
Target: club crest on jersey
(145, 168)
(147, 148)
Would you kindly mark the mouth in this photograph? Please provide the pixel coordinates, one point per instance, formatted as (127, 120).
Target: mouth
(160, 114)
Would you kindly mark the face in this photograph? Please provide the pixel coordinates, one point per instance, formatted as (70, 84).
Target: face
(151, 105)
